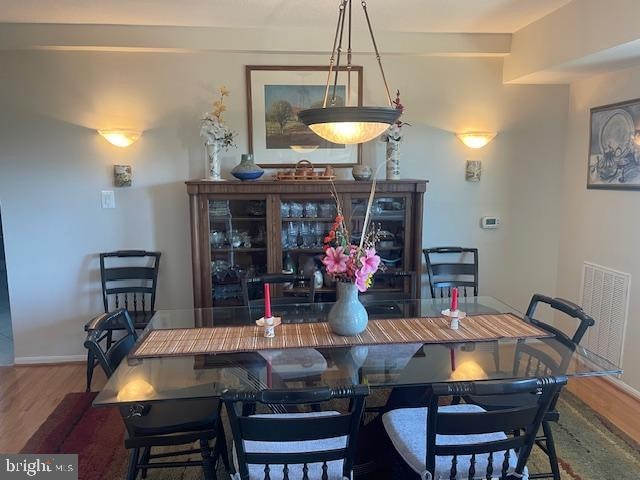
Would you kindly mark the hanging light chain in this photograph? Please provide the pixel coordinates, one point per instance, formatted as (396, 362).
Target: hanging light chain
(375, 47)
(348, 101)
(335, 81)
(333, 53)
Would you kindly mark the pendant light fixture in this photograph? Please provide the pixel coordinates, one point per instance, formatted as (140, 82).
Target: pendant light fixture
(348, 124)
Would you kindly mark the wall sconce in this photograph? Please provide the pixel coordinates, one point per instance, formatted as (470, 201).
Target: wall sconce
(476, 139)
(120, 138)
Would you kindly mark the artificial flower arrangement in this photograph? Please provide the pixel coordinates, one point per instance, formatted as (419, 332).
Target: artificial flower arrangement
(346, 262)
(213, 129)
(394, 133)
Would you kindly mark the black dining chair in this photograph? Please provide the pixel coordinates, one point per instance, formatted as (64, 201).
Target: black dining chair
(466, 441)
(307, 445)
(545, 358)
(302, 287)
(389, 304)
(447, 268)
(128, 286)
(161, 424)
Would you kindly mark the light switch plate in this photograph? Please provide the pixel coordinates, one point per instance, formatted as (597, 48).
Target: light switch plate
(108, 199)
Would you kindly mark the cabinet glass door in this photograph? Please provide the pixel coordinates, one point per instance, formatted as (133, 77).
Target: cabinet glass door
(388, 217)
(238, 241)
(305, 223)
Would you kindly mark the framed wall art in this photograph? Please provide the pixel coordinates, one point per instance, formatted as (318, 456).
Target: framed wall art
(275, 95)
(614, 147)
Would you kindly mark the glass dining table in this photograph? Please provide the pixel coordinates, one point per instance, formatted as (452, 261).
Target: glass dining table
(158, 379)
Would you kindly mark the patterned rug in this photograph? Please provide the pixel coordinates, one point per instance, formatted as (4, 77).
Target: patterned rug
(590, 448)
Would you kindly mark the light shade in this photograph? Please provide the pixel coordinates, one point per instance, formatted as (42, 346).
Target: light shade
(476, 139)
(349, 125)
(136, 389)
(120, 138)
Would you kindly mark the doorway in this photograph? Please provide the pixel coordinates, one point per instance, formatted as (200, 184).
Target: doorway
(6, 333)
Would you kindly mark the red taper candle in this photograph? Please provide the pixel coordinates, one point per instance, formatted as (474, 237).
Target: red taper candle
(454, 299)
(267, 301)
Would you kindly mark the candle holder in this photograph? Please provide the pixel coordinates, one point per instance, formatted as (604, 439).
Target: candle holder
(269, 328)
(455, 317)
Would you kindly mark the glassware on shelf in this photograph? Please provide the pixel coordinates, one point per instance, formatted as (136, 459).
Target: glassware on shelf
(235, 239)
(284, 238)
(288, 265)
(285, 209)
(217, 238)
(295, 209)
(327, 210)
(310, 209)
(308, 240)
(246, 239)
(293, 230)
(256, 208)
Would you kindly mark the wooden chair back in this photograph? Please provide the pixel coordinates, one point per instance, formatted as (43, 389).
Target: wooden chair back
(445, 274)
(131, 287)
(109, 356)
(295, 428)
(253, 289)
(568, 308)
(519, 424)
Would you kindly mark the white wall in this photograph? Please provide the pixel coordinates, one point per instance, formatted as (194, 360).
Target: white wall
(53, 166)
(600, 225)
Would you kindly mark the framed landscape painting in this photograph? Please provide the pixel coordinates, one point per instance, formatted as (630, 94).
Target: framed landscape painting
(275, 95)
(614, 146)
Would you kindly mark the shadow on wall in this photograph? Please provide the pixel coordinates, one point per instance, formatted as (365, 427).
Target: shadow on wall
(170, 221)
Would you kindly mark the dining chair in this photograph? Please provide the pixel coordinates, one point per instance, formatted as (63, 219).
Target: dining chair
(307, 445)
(546, 358)
(253, 292)
(389, 304)
(161, 424)
(467, 441)
(444, 273)
(132, 287)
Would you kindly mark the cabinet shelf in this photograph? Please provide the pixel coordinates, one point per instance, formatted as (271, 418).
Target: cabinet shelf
(238, 250)
(308, 219)
(303, 250)
(219, 219)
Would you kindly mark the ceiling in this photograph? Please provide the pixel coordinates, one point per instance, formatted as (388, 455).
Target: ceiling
(472, 16)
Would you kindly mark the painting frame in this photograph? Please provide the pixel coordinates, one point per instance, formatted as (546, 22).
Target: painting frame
(601, 163)
(255, 76)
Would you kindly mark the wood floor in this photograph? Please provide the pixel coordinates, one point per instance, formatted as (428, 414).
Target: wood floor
(30, 393)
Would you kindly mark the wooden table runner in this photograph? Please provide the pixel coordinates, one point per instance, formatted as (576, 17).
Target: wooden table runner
(199, 341)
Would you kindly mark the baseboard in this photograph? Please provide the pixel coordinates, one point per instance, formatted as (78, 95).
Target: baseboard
(624, 387)
(50, 359)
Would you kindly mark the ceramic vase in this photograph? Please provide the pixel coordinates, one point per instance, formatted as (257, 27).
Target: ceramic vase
(393, 160)
(362, 173)
(348, 317)
(213, 161)
(247, 169)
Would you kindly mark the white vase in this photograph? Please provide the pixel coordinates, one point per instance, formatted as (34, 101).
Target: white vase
(212, 167)
(393, 160)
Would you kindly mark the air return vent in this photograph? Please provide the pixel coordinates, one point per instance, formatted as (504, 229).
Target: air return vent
(605, 296)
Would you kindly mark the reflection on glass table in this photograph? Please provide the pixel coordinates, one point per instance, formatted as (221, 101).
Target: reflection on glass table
(199, 376)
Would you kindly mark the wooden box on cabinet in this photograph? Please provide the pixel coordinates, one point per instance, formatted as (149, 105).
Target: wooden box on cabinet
(240, 228)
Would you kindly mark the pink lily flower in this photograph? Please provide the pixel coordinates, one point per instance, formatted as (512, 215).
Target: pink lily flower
(370, 261)
(335, 260)
(362, 280)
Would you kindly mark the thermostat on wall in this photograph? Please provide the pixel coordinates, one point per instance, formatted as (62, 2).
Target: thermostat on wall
(489, 222)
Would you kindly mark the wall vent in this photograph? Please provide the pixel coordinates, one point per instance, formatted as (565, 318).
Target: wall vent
(605, 296)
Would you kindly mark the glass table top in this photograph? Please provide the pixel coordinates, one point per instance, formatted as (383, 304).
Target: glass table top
(380, 366)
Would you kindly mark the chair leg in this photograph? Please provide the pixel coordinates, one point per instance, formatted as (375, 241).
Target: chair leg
(146, 453)
(221, 449)
(207, 462)
(132, 471)
(551, 449)
(90, 367)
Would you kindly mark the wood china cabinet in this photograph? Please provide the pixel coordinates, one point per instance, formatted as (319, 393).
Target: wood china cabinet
(252, 228)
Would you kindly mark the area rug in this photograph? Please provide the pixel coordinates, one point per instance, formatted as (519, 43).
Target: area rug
(589, 448)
